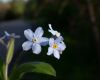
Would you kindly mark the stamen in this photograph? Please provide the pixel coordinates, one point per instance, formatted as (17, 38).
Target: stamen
(55, 46)
(34, 40)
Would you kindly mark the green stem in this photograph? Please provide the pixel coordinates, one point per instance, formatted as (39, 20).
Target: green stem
(6, 72)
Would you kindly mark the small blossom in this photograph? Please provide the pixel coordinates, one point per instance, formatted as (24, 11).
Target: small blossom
(13, 35)
(55, 33)
(56, 48)
(8, 36)
(35, 40)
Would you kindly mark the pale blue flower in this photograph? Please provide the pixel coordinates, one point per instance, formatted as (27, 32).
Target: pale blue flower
(54, 32)
(13, 35)
(35, 40)
(56, 48)
(7, 36)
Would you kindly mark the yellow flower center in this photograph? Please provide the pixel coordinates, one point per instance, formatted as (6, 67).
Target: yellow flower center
(34, 40)
(55, 46)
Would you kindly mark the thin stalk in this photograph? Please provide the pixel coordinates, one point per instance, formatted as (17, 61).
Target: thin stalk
(6, 72)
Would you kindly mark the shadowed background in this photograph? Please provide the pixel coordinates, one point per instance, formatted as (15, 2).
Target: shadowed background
(78, 22)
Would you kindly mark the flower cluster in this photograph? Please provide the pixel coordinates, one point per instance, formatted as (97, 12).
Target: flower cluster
(36, 40)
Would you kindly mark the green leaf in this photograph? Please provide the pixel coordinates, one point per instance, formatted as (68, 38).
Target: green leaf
(38, 67)
(10, 50)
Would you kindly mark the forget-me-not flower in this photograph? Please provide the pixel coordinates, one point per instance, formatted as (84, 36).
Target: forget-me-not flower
(56, 48)
(35, 40)
(8, 36)
(54, 32)
(13, 35)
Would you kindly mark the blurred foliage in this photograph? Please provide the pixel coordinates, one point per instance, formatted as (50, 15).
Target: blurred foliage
(18, 7)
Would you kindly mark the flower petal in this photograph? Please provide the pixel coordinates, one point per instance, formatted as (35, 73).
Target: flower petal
(51, 41)
(57, 34)
(61, 46)
(36, 48)
(39, 32)
(44, 41)
(59, 39)
(50, 51)
(6, 33)
(27, 45)
(56, 54)
(52, 32)
(50, 26)
(29, 34)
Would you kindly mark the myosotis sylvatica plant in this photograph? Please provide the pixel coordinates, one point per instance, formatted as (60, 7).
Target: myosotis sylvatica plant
(35, 42)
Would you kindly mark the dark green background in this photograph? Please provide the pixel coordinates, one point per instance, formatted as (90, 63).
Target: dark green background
(81, 59)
